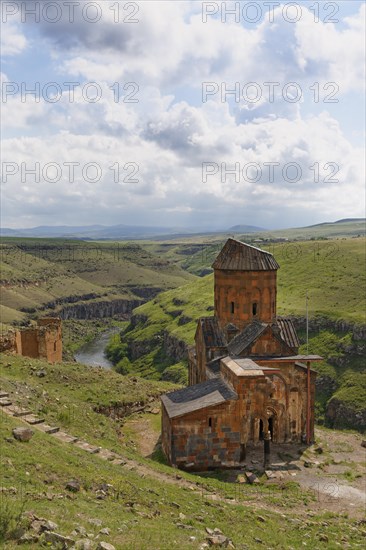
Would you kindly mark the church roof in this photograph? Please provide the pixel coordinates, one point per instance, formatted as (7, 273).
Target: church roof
(251, 332)
(288, 332)
(212, 333)
(246, 337)
(199, 396)
(244, 366)
(213, 366)
(239, 256)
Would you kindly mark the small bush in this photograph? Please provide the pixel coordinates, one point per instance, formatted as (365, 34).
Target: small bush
(115, 349)
(10, 518)
(123, 366)
(176, 373)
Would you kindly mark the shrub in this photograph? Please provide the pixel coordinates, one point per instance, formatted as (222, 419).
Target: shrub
(176, 373)
(123, 366)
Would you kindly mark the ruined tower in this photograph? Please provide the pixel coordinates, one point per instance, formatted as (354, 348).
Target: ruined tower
(245, 286)
(247, 381)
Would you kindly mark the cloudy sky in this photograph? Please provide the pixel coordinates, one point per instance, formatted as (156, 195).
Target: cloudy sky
(185, 114)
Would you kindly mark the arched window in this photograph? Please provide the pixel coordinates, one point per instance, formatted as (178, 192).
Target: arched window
(255, 308)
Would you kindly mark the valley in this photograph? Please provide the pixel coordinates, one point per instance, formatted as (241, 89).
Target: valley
(148, 296)
(139, 502)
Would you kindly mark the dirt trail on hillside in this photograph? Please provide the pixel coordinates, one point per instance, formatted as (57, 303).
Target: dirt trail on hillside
(337, 474)
(334, 469)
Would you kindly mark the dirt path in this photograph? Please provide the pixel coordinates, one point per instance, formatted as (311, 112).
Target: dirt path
(337, 475)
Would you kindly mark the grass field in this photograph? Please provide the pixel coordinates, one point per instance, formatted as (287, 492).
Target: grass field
(37, 272)
(332, 272)
(144, 507)
(335, 282)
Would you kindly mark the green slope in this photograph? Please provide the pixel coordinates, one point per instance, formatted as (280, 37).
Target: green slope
(334, 278)
(35, 272)
(334, 275)
(144, 507)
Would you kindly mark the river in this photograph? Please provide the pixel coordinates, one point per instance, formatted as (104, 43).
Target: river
(92, 353)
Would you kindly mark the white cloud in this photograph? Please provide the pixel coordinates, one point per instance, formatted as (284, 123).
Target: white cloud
(169, 155)
(13, 41)
(169, 133)
(335, 55)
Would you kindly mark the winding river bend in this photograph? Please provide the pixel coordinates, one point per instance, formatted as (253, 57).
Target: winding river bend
(92, 353)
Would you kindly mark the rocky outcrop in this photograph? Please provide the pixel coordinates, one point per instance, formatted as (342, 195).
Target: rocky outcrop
(7, 341)
(145, 292)
(97, 310)
(323, 323)
(326, 385)
(70, 300)
(121, 410)
(138, 348)
(173, 347)
(136, 319)
(341, 415)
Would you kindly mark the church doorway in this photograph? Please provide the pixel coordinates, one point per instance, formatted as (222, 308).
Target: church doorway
(272, 424)
(261, 430)
(270, 427)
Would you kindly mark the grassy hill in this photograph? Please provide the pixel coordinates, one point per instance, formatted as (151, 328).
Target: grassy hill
(36, 274)
(143, 504)
(334, 280)
(332, 272)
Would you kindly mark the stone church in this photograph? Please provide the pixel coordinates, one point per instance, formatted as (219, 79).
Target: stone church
(247, 381)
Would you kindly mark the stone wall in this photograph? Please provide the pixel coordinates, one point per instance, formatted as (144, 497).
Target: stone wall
(236, 292)
(43, 341)
(8, 341)
(206, 438)
(217, 436)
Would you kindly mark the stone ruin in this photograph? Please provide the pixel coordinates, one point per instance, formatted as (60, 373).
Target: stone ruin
(42, 340)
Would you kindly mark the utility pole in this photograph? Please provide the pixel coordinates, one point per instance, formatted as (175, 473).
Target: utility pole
(308, 412)
(307, 324)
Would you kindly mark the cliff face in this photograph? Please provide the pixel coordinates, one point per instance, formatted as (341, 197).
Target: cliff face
(173, 347)
(100, 309)
(341, 415)
(322, 323)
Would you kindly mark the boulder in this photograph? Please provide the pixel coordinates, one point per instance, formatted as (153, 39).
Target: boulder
(105, 546)
(23, 434)
(57, 539)
(28, 538)
(218, 540)
(84, 544)
(73, 486)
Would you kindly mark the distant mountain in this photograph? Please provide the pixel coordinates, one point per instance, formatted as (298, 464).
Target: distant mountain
(88, 232)
(123, 232)
(345, 220)
(350, 220)
(48, 231)
(246, 229)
